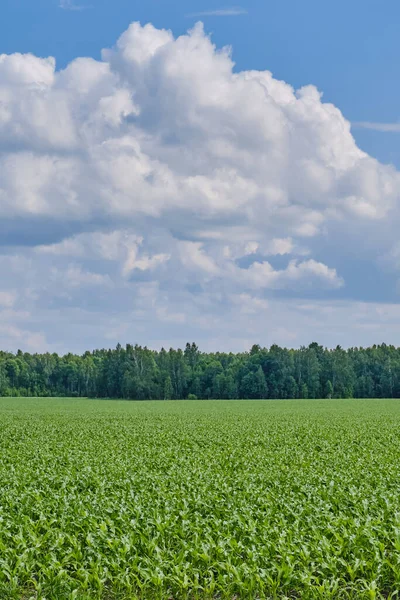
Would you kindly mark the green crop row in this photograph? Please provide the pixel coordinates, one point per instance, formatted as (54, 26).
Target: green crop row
(199, 500)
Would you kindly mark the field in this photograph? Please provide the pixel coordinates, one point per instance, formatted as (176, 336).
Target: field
(199, 500)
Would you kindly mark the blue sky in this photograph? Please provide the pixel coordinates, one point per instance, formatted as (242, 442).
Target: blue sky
(142, 205)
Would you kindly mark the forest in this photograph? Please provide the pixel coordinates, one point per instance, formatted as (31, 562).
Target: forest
(138, 373)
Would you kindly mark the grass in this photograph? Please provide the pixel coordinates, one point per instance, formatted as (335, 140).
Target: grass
(199, 500)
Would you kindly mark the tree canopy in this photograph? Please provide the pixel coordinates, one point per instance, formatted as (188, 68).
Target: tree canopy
(136, 372)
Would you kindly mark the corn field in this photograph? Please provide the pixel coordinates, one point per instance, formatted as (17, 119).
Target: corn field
(199, 499)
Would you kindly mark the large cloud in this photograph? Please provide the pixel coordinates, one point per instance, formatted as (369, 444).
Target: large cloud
(162, 186)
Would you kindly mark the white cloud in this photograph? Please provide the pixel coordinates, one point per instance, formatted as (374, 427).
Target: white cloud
(7, 299)
(263, 275)
(70, 5)
(164, 125)
(13, 337)
(160, 177)
(121, 246)
(192, 255)
(271, 247)
(384, 127)
(250, 305)
(144, 263)
(106, 245)
(279, 246)
(77, 277)
(234, 11)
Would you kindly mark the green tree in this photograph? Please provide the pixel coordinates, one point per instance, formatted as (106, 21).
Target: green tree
(168, 389)
(328, 389)
(254, 385)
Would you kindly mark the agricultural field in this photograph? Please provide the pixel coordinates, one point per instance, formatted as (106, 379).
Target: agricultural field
(199, 499)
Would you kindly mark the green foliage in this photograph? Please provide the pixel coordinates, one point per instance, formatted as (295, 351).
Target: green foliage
(199, 500)
(304, 390)
(168, 390)
(138, 373)
(328, 389)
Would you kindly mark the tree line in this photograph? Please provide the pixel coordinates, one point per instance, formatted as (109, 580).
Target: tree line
(138, 373)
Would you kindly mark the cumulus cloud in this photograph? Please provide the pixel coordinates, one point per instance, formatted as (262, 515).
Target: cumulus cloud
(263, 275)
(163, 125)
(160, 174)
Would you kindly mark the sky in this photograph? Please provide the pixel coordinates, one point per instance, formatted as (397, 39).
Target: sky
(199, 171)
